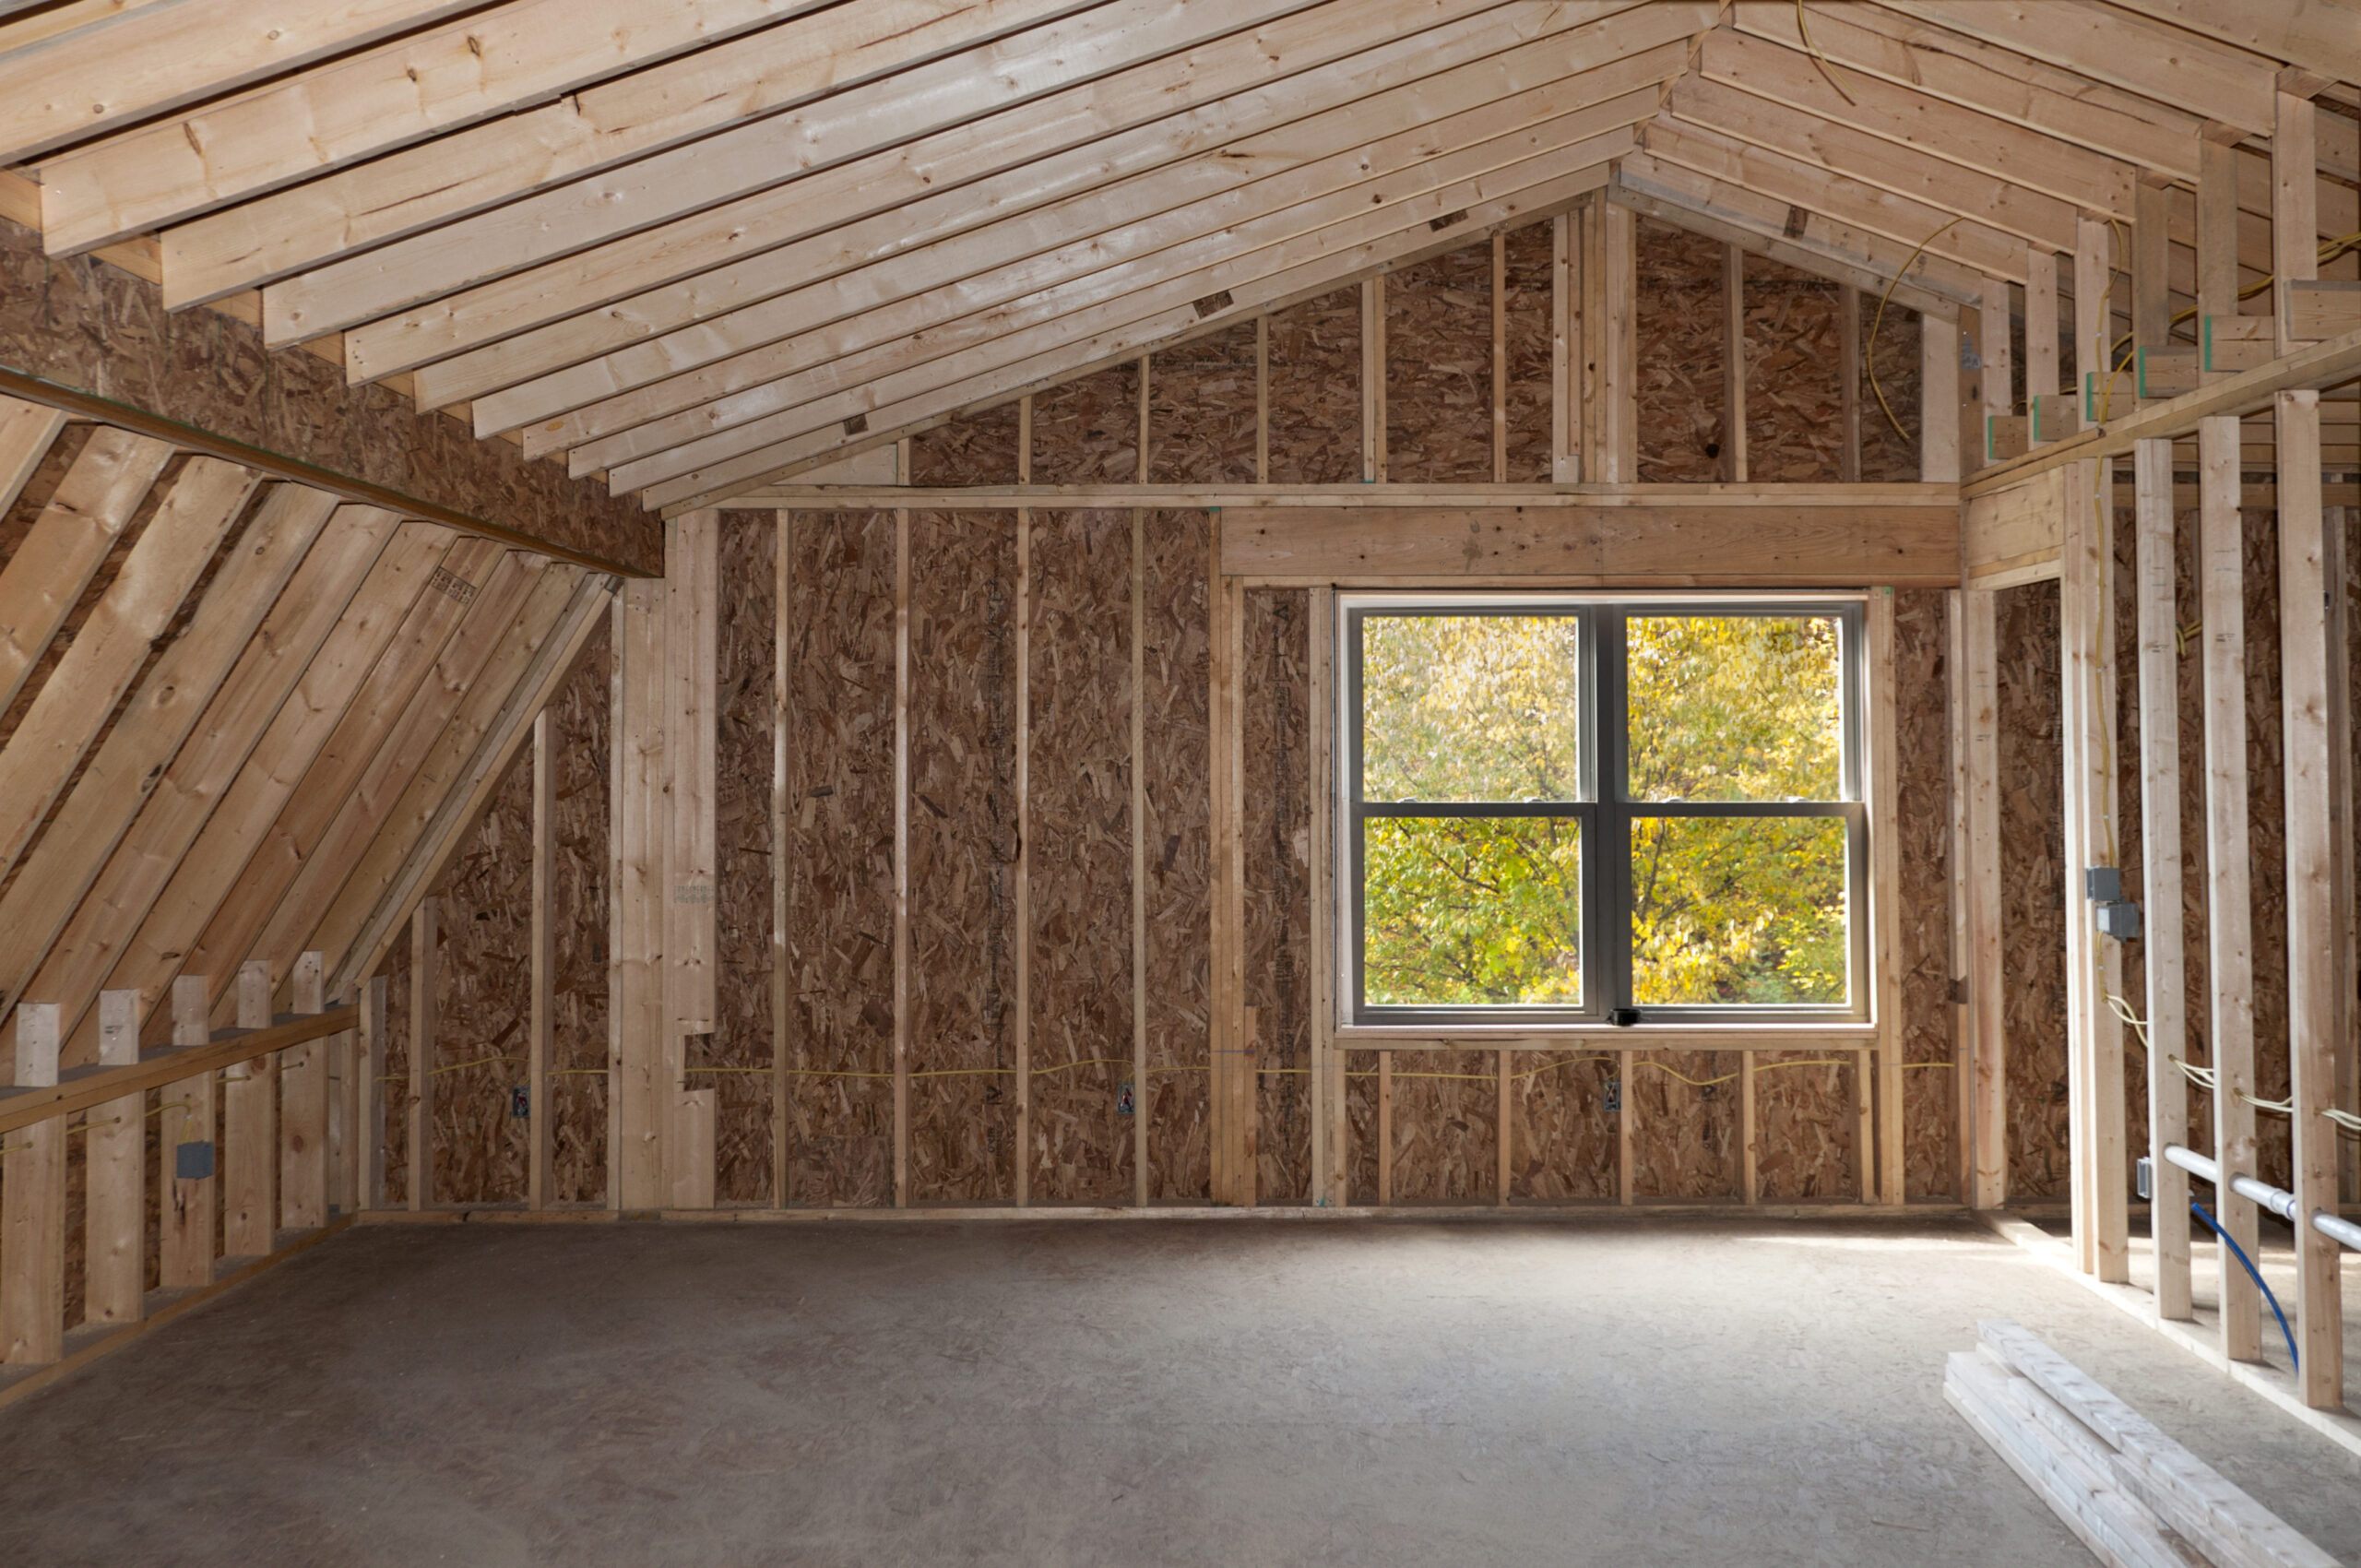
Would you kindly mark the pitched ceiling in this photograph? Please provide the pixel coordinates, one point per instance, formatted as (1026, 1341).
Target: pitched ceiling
(695, 246)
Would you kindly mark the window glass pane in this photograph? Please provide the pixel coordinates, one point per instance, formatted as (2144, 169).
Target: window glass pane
(1470, 708)
(1473, 910)
(1734, 707)
(1737, 912)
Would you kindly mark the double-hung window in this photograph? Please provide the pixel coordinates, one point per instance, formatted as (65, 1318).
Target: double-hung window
(1567, 810)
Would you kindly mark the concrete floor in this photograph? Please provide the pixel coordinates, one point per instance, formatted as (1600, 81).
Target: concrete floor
(1660, 1391)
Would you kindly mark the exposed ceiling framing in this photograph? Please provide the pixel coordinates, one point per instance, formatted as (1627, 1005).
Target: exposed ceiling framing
(696, 247)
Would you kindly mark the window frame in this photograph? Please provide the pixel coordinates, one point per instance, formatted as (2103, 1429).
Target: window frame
(1603, 808)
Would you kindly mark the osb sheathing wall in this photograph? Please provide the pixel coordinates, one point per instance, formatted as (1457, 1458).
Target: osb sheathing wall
(92, 325)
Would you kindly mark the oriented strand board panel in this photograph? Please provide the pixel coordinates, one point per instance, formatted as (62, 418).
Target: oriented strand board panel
(2266, 839)
(979, 448)
(1439, 369)
(1889, 444)
(486, 907)
(1446, 1111)
(1685, 1138)
(582, 712)
(1530, 353)
(962, 855)
(91, 324)
(1804, 1128)
(1177, 766)
(1795, 375)
(740, 1051)
(1678, 319)
(1929, 1094)
(1276, 688)
(1079, 810)
(2033, 890)
(1316, 391)
(1200, 410)
(1087, 432)
(840, 861)
(1563, 1138)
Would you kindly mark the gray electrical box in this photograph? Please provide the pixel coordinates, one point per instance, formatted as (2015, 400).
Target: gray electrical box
(2103, 885)
(2120, 919)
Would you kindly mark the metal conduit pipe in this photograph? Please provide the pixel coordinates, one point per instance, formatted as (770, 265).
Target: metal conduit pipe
(2282, 1204)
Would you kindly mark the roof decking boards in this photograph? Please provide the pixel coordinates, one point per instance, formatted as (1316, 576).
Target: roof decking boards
(722, 241)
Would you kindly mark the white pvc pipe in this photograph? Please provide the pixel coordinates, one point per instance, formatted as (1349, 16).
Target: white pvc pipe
(2278, 1202)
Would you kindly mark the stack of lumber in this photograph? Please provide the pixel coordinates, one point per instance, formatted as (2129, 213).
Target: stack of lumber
(2135, 1497)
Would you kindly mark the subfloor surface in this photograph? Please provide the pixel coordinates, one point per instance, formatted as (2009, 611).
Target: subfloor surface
(1656, 1391)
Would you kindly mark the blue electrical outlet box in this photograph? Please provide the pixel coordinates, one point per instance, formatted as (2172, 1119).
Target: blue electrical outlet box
(521, 1102)
(1126, 1103)
(1614, 1096)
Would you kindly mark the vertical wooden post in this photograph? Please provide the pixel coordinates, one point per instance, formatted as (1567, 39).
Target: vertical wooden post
(1885, 876)
(2318, 1008)
(1986, 1084)
(369, 1091)
(1261, 404)
(1962, 1024)
(1140, 1101)
(1384, 1128)
(185, 1251)
(1733, 364)
(2041, 328)
(2228, 866)
(32, 1206)
(2094, 964)
(1848, 354)
(2294, 216)
(1373, 380)
(1939, 342)
(1499, 358)
(541, 969)
(2151, 307)
(303, 1110)
(115, 1208)
(250, 1130)
(1610, 348)
(1565, 391)
(1998, 377)
(638, 822)
(1022, 1026)
(1627, 1116)
(425, 1019)
(2217, 237)
(2094, 389)
(690, 841)
(1330, 1125)
(2160, 857)
(782, 857)
(1504, 1137)
(1749, 1153)
(1865, 1133)
(1246, 1090)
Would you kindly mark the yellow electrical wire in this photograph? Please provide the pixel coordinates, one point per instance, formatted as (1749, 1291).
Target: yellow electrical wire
(1869, 351)
(1817, 57)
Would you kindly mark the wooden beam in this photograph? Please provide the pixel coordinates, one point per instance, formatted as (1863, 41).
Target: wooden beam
(110, 799)
(901, 762)
(2322, 38)
(112, 646)
(635, 920)
(143, 61)
(1849, 371)
(1565, 387)
(1373, 380)
(250, 1130)
(734, 156)
(303, 1110)
(115, 1226)
(1985, 1085)
(185, 1248)
(32, 1207)
(541, 969)
(693, 609)
(2228, 863)
(160, 434)
(1734, 365)
(425, 1016)
(2041, 324)
(27, 432)
(1998, 377)
(1022, 1025)
(46, 573)
(2217, 237)
(783, 646)
(2095, 385)
(1884, 757)
(1695, 544)
(2160, 859)
(1938, 346)
(1141, 1103)
(369, 1056)
(1331, 1118)
(2295, 210)
(2317, 1011)
(511, 57)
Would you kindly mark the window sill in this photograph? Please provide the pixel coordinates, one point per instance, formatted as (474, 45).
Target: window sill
(1637, 1036)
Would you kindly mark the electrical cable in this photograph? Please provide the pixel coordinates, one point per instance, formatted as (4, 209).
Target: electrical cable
(2256, 1275)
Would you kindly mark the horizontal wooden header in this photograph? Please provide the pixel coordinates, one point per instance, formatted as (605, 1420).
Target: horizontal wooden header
(80, 1088)
(1683, 544)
